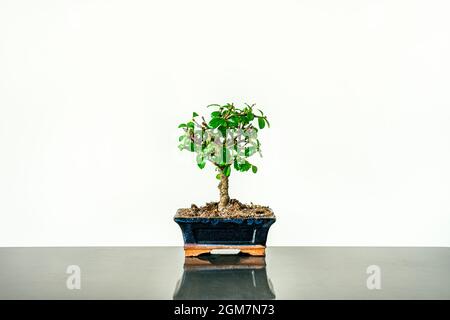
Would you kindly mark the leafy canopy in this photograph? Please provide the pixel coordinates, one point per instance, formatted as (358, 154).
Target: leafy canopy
(227, 140)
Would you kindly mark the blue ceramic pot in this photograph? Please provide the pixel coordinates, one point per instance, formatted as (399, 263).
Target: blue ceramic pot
(224, 231)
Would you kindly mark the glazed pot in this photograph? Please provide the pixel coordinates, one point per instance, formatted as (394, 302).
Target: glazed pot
(208, 235)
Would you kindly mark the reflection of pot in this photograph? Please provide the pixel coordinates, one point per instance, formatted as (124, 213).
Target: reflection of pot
(202, 235)
(224, 277)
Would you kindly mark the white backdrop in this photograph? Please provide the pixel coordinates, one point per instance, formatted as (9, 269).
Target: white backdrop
(91, 93)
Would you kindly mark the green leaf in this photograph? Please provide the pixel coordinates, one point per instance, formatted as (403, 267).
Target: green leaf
(217, 122)
(200, 161)
(213, 105)
(191, 125)
(181, 138)
(227, 171)
(233, 121)
(253, 150)
(223, 130)
(194, 114)
(216, 114)
(218, 176)
(254, 169)
(250, 117)
(261, 123)
(201, 165)
(183, 125)
(246, 166)
(236, 165)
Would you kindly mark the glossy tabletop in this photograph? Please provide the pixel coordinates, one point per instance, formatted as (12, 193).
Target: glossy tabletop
(164, 273)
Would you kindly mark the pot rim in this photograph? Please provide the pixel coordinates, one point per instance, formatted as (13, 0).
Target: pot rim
(224, 218)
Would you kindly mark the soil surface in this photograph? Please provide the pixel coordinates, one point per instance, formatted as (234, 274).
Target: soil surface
(235, 209)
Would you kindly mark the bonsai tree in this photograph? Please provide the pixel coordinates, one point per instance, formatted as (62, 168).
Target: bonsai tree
(227, 140)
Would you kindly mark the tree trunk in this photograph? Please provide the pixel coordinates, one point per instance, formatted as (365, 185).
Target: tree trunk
(223, 188)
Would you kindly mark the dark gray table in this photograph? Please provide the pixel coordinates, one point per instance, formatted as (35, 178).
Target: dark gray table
(285, 273)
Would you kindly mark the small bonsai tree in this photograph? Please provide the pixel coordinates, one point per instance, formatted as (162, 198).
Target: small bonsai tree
(227, 140)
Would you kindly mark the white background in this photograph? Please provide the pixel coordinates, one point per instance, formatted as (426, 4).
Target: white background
(358, 94)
